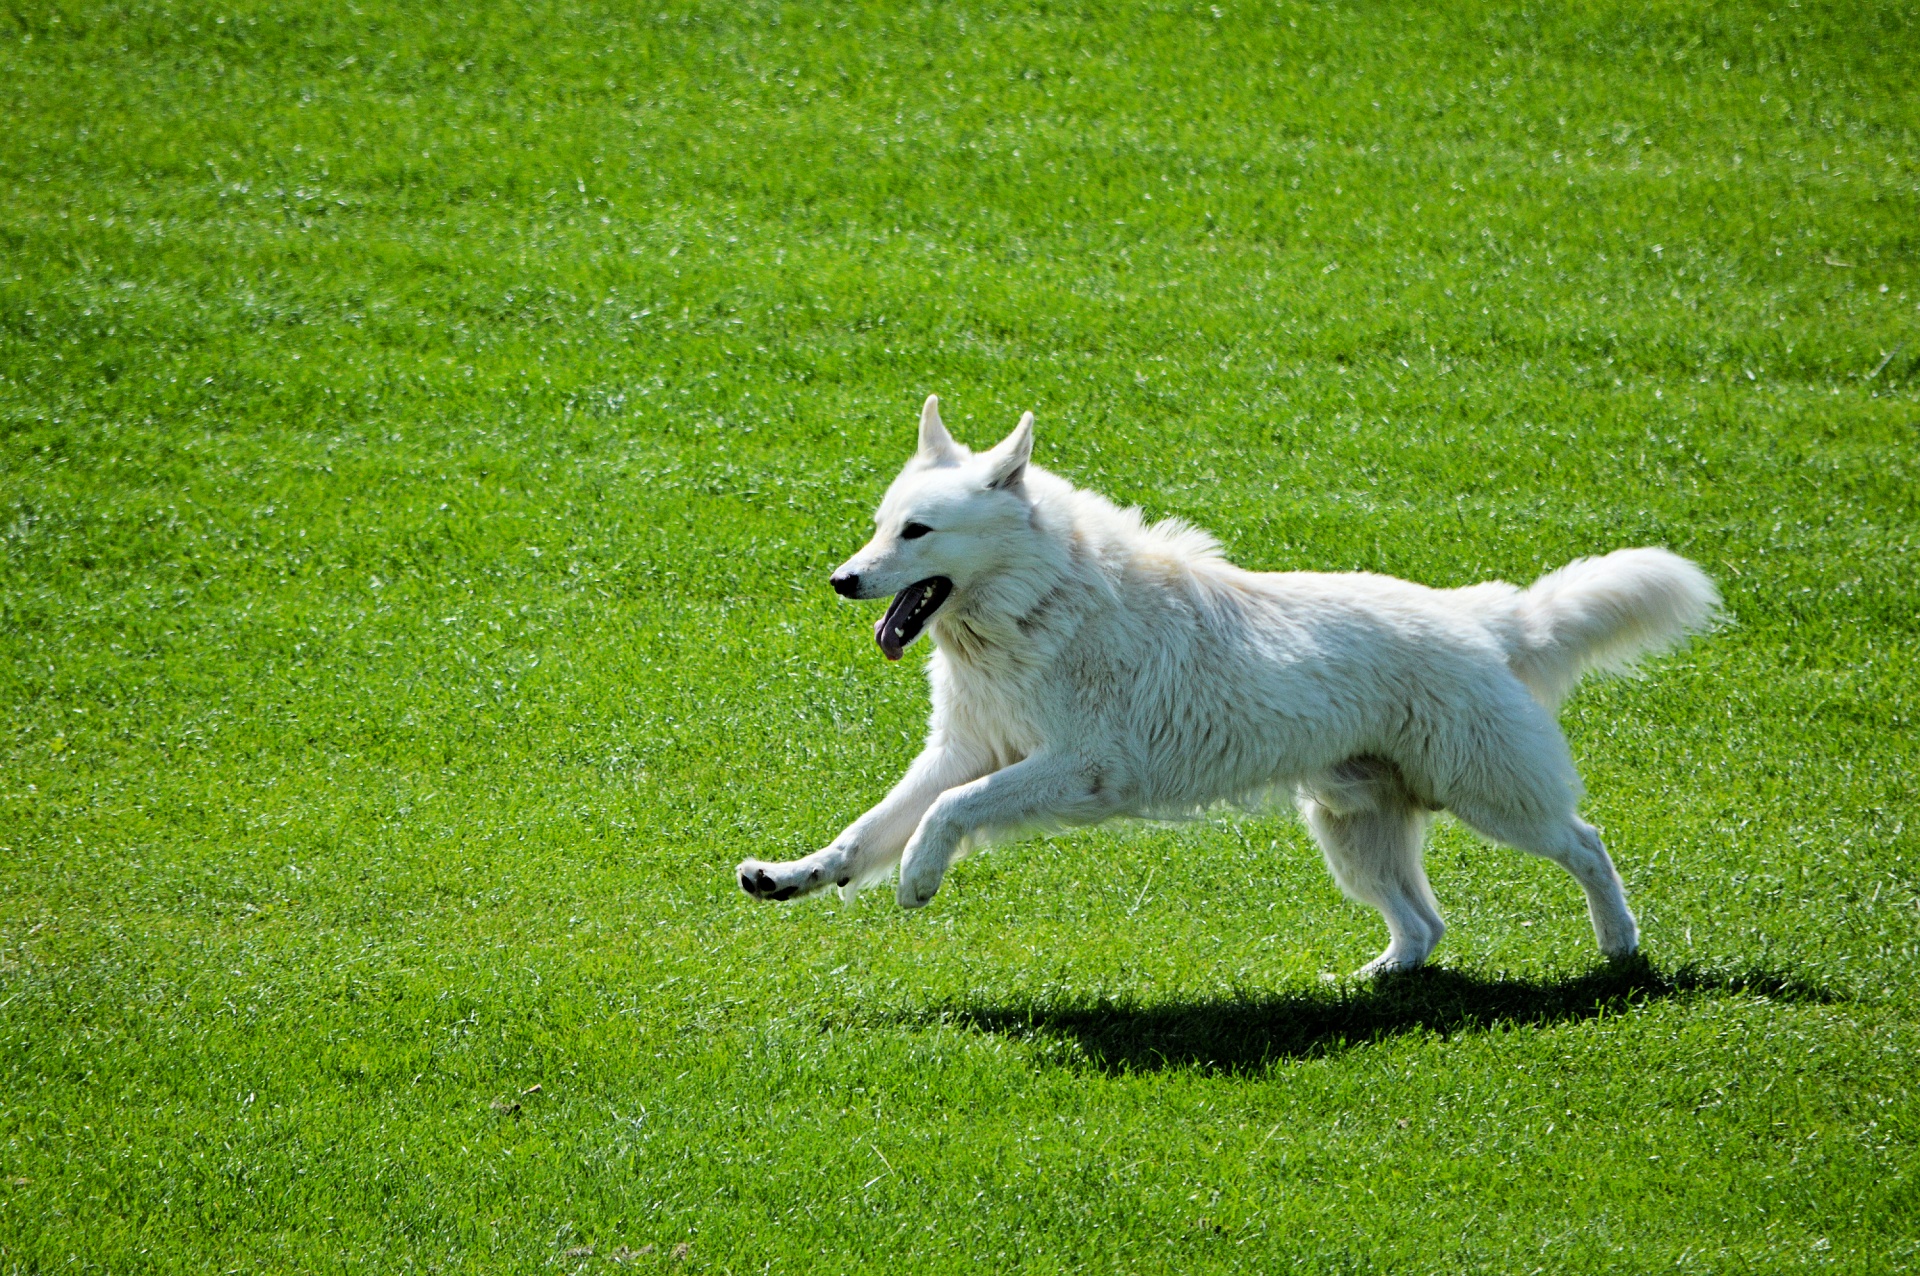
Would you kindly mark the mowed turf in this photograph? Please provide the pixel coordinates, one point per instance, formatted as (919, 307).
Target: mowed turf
(425, 433)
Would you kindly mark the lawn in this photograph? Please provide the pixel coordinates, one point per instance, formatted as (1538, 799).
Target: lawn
(425, 434)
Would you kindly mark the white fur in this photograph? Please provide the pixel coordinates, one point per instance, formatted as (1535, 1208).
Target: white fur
(1090, 665)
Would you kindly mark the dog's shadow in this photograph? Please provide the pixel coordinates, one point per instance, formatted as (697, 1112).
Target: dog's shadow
(1247, 1034)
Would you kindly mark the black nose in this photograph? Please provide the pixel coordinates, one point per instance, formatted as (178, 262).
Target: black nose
(846, 586)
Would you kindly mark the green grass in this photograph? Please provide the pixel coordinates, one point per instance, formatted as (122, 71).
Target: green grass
(424, 437)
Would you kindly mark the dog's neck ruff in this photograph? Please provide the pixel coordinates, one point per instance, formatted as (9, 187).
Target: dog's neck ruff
(1010, 619)
(1021, 614)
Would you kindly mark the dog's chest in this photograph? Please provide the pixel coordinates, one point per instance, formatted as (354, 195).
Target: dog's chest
(987, 706)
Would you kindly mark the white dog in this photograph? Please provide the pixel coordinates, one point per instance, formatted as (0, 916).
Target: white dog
(1088, 665)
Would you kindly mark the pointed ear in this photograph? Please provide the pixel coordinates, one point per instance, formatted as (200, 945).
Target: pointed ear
(936, 445)
(1007, 463)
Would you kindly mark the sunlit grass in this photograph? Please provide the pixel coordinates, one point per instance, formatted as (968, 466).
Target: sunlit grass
(424, 436)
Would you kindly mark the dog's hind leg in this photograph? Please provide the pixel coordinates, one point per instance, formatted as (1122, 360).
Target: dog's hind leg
(1370, 829)
(871, 844)
(1574, 845)
(1524, 793)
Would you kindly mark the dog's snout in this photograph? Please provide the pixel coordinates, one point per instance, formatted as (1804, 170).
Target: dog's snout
(846, 584)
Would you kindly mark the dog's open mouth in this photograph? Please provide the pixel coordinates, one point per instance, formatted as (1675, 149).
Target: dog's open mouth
(909, 613)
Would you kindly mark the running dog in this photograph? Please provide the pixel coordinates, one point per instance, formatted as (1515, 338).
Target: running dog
(1088, 665)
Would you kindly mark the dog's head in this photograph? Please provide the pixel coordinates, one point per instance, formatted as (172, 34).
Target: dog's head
(947, 522)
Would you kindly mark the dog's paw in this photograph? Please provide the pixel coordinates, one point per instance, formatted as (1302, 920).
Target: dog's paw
(756, 881)
(778, 881)
(1388, 963)
(918, 886)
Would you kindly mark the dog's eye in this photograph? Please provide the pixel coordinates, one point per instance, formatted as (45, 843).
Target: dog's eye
(914, 531)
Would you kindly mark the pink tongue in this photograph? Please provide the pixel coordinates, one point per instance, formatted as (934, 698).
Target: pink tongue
(907, 614)
(883, 634)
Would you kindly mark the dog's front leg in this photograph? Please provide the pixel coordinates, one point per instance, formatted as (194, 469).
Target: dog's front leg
(870, 845)
(1040, 791)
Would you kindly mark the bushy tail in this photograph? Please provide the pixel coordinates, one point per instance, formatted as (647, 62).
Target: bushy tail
(1604, 614)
